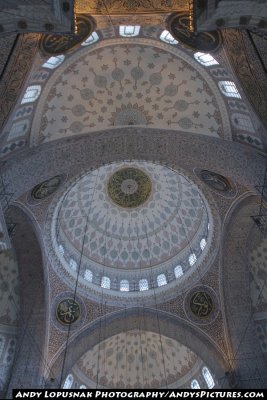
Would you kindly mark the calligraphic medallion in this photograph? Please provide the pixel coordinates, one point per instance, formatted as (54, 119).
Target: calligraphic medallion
(129, 187)
(216, 181)
(46, 188)
(179, 27)
(68, 311)
(53, 44)
(201, 305)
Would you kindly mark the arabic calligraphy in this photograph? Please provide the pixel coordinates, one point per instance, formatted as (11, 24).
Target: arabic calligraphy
(68, 311)
(216, 181)
(204, 41)
(201, 304)
(52, 44)
(46, 188)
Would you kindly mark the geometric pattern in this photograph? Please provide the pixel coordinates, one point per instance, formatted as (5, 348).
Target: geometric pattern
(136, 359)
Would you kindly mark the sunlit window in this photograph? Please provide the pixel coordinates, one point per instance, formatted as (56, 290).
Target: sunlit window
(195, 384)
(229, 89)
(88, 275)
(205, 59)
(105, 282)
(73, 264)
(203, 243)
(192, 259)
(2, 344)
(161, 280)
(61, 250)
(178, 271)
(32, 93)
(68, 382)
(143, 284)
(82, 387)
(54, 62)
(129, 30)
(208, 378)
(91, 39)
(124, 286)
(168, 38)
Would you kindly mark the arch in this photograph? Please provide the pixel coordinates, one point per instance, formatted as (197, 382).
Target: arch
(32, 325)
(145, 319)
(247, 362)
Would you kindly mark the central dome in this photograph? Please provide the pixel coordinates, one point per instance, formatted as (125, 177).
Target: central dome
(130, 221)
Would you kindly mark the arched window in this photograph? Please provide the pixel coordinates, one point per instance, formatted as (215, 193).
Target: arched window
(203, 243)
(61, 250)
(143, 284)
(178, 271)
(88, 275)
(229, 89)
(168, 38)
(205, 59)
(105, 282)
(208, 378)
(195, 384)
(192, 259)
(73, 264)
(242, 122)
(54, 62)
(129, 30)
(68, 382)
(124, 286)
(82, 387)
(32, 93)
(161, 280)
(2, 344)
(91, 39)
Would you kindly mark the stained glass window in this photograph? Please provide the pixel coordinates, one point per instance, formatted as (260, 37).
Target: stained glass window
(32, 93)
(205, 59)
(68, 382)
(168, 38)
(124, 286)
(88, 275)
(203, 243)
(54, 62)
(208, 378)
(178, 271)
(105, 282)
(229, 89)
(129, 30)
(195, 384)
(192, 259)
(161, 280)
(143, 284)
(91, 39)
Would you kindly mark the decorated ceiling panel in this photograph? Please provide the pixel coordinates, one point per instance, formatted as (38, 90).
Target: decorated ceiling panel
(135, 359)
(129, 83)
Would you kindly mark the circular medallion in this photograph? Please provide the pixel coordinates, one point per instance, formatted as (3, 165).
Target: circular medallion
(129, 187)
(52, 44)
(178, 26)
(216, 181)
(201, 305)
(46, 188)
(68, 311)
